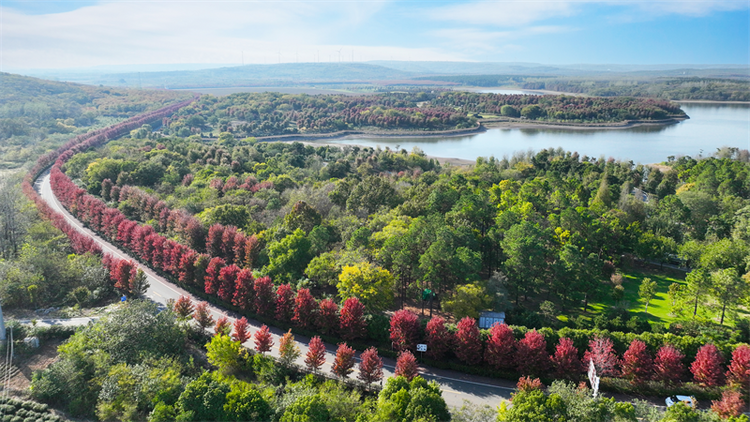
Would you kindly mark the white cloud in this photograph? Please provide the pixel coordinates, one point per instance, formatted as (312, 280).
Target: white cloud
(193, 32)
(511, 13)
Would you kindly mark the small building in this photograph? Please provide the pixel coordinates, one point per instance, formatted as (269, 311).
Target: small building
(488, 319)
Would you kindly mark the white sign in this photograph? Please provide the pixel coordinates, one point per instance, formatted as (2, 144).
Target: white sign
(593, 379)
(421, 348)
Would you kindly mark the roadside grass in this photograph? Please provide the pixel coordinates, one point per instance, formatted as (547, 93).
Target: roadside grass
(660, 306)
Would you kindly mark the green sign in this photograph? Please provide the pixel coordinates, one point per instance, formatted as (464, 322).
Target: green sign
(426, 294)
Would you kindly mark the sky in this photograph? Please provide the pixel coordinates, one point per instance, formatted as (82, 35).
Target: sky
(47, 34)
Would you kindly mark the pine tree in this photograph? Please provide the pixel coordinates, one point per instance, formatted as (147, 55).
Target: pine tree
(404, 329)
(316, 354)
(344, 363)
(468, 341)
(352, 321)
(637, 364)
(241, 333)
(406, 365)
(139, 284)
(370, 366)
(565, 360)
(501, 347)
(668, 365)
(707, 368)
(531, 354)
(263, 340)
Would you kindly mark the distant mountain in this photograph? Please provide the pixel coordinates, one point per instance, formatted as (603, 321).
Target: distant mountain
(474, 68)
(249, 75)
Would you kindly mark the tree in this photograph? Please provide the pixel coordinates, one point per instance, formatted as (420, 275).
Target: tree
(706, 368)
(370, 366)
(404, 329)
(288, 349)
(566, 361)
(264, 295)
(501, 347)
(241, 334)
(302, 216)
(468, 341)
(284, 302)
(601, 352)
(525, 245)
(245, 403)
(211, 281)
(14, 220)
(227, 280)
(668, 365)
(698, 283)
(637, 364)
(730, 405)
(531, 354)
(213, 241)
(406, 365)
(344, 363)
(738, 374)
(304, 308)
(466, 300)
(307, 408)
(262, 338)
(728, 288)
(223, 353)
(533, 405)
(352, 321)
(204, 398)
(123, 272)
(223, 326)
(372, 285)
(183, 307)
(647, 291)
(316, 354)
(243, 289)
(203, 316)
(328, 316)
(438, 338)
(289, 256)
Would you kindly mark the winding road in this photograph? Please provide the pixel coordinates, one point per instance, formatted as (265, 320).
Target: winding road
(456, 386)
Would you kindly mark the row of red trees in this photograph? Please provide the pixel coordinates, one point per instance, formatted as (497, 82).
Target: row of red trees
(529, 355)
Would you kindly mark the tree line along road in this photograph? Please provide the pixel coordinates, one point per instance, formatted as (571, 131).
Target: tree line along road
(456, 387)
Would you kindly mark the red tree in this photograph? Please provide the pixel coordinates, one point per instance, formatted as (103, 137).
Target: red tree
(707, 368)
(124, 271)
(252, 247)
(730, 405)
(370, 366)
(316, 354)
(264, 296)
(304, 308)
(668, 365)
(222, 326)
(438, 338)
(344, 363)
(531, 354)
(406, 365)
(183, 307)
(352, 321)
(187, 272)
(404, 329)
(565, 360)
(227, 243)
(240, 333)
(211, 282)
(227, 280)
(602, 352)
(637, 364)
(738, 374)
(468, 341)
(328, 316)
(239, 249)
(263, 341)
(203, 316)
(501, 347)
(284, 302)
(201, 268)
(213, 240)
(527, 384)
(243, 289)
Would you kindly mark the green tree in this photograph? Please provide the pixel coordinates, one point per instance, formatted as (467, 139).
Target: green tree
(466, 300)
(647, 291)
(307, 409)
(224, 353)
(698, 285)
(245, 402)
(509, 111)
(533, 406)
(372, 285)
(728, 288)
(204, 399)
(289, 257)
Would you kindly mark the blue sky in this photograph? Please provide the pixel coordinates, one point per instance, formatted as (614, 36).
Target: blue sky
(61, 34)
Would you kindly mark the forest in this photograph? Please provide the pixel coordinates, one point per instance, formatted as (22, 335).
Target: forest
(265, 114)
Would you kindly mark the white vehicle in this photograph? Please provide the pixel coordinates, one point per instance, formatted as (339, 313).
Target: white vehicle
(688, 400)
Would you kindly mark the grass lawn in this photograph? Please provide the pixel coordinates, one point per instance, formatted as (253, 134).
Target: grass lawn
(660, 305)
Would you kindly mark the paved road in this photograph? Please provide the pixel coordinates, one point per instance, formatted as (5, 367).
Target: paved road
(456, 386)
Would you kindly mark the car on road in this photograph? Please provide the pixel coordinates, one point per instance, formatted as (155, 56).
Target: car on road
(688, 400)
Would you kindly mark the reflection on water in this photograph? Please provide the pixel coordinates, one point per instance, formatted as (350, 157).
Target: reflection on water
(710, 126)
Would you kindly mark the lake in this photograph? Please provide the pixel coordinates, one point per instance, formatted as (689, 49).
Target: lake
(710, 126)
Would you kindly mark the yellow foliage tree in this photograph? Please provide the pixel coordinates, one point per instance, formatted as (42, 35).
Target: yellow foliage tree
(372, 285)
